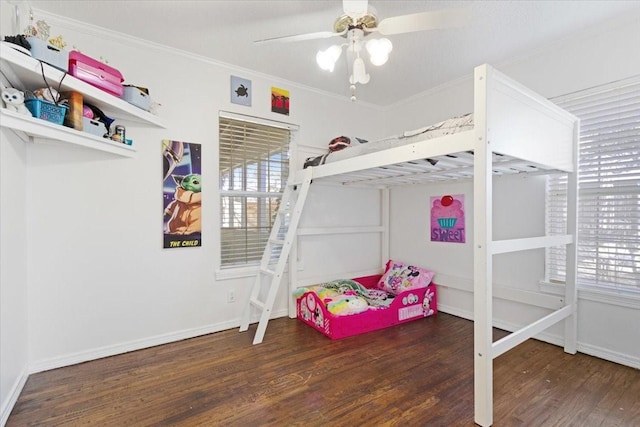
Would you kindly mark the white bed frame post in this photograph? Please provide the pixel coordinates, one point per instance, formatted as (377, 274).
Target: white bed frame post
(571, 266)
(385, 221)
(549, 135)
(293, 277)
(483, 260)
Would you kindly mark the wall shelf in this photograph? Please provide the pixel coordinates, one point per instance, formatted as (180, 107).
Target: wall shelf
(27, 73)
(31, 129)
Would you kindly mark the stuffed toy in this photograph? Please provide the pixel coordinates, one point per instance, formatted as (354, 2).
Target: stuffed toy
(337, 144)
(14, 100)
(324, 293)
(47, 94)
(344, 305)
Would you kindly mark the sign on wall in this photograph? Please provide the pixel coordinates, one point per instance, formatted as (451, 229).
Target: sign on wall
(280, 100)
(241, 91)
(447, 218)
(181, 194)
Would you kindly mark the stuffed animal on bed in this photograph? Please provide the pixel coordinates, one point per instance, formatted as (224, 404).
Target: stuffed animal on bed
(426, 302)
(324, 293)
(344, 305)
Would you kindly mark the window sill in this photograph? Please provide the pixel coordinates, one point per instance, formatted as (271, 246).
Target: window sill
(620, 298)
(236, 272)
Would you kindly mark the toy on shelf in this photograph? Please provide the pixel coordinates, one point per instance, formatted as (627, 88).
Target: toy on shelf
(14, 100)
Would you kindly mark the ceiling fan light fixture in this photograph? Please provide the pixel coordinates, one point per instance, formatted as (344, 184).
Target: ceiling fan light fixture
(379, 50)
(358, 22)
(327, 59)
(359, 74)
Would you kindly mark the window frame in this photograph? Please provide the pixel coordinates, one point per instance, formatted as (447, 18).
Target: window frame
(599, 109)
(260, 190)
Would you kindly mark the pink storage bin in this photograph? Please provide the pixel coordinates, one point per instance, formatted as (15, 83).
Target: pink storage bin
(96, 73)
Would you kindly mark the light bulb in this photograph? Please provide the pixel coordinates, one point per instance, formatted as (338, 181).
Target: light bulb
(379, 50)
(327, 59)
(359, 75)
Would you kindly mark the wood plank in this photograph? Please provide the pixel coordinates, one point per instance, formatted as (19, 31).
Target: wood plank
(418, 373)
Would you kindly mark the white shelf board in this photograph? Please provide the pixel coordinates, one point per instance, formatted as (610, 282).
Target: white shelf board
(25, 71)
(35, 130)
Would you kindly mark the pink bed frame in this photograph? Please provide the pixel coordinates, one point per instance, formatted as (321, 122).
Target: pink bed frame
(406, 306)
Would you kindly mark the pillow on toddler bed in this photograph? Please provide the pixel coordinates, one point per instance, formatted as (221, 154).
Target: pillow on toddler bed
(399, 277)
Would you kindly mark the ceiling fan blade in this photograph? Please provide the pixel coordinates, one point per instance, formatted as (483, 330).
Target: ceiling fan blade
(434, 20)
(355, 8)
(301, 37)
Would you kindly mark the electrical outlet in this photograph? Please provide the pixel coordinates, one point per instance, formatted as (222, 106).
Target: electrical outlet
(231, 296)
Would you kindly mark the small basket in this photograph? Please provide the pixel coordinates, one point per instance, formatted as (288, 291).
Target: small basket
(46, 110)
(43, 51)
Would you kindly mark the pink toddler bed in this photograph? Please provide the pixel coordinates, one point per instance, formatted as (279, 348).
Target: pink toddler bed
(402, 294)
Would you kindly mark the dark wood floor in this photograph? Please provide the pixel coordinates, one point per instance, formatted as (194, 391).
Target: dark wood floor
(417, 374)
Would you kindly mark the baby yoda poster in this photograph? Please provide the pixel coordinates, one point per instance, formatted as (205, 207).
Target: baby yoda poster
(181, 194)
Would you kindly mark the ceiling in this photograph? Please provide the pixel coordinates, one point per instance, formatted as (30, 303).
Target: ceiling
(226, 30)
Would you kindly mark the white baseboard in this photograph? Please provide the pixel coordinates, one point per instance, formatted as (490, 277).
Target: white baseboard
(112, 350)
(12, 398)
(455, 311)
(599, 352)
(603, 353)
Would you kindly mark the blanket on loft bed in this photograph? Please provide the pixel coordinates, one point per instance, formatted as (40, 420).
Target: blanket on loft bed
(343, 147)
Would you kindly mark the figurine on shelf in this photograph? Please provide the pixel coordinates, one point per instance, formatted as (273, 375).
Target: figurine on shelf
(58, 42)
(43, 29)
(47, 94)
(14, 100)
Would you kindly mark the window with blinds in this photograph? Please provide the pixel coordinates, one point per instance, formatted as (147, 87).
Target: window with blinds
(609, 189)
(254, 166)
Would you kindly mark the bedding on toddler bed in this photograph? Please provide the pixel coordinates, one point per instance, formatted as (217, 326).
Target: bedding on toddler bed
(357, 147)
(348, 307)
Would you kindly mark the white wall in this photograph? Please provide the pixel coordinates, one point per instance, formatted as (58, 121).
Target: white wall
(87, 225)
(601, 55)
(13, 270)
(14, 342)
(101, 281)
(90, 224)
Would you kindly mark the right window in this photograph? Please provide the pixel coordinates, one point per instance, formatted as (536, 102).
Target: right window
(609, 189)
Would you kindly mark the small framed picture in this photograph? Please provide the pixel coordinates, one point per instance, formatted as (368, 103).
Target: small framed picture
(447, 218)
(279, 100)
(240, 91)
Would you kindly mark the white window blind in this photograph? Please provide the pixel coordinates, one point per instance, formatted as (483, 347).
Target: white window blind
(254, 166)
(609, 189)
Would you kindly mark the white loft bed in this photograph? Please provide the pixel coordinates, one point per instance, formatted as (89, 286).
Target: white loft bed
(514, 131)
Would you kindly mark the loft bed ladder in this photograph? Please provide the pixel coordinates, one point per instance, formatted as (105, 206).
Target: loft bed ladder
(283, 233)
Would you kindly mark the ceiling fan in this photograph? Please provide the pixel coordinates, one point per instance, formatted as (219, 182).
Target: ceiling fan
(358, 21)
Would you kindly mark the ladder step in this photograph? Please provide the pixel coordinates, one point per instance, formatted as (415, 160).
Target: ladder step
(267, 271)
(277, 241)
(256, 302)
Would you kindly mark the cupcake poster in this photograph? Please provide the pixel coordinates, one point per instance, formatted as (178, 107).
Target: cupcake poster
(447, 218)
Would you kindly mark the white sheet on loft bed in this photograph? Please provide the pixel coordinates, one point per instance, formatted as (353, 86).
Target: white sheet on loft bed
(445, 127)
